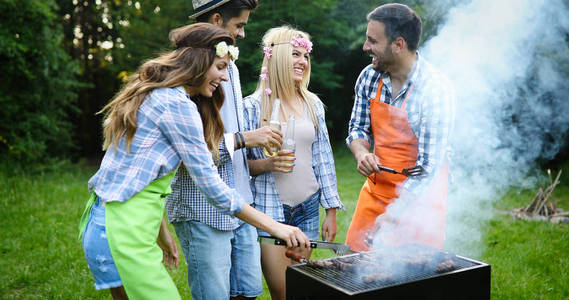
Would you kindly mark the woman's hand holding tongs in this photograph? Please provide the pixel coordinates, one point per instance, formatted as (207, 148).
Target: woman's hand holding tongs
(293, 236)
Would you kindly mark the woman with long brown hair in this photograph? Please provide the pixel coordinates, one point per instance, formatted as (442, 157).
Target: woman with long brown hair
(153, 125)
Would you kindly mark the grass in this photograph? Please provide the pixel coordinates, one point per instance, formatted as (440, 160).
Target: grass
(41, 258)
(530, 259)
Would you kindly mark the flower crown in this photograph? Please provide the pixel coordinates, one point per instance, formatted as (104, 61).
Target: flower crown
(297, 42)
(221, 50)
(302, 42)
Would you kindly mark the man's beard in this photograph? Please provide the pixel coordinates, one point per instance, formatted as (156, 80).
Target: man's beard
(383, 62)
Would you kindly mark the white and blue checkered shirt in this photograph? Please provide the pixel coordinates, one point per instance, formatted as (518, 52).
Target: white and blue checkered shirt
(429, 106)
(169, 131)
(186, 202)
(265, 192)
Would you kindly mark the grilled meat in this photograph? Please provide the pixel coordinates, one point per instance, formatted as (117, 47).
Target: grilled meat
(324, 264)
(295, 256)
(446, 266)
(369, 278)
(344, 266)
(416, 262)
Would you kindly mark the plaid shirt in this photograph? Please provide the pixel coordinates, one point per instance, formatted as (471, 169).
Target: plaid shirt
(265, 193)
(169, 131)
(186, 201)
(430, 110)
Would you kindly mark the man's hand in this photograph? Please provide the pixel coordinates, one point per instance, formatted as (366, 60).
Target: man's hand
(367, 163)
(263, 137)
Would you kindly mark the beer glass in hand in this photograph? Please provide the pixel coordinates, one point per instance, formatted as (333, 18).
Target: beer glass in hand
(289, 145)
(274, 123)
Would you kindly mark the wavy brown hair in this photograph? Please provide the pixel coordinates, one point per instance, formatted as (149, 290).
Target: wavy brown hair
(187, 66)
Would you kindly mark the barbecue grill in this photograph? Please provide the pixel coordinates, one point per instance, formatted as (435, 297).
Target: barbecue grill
(467, 279)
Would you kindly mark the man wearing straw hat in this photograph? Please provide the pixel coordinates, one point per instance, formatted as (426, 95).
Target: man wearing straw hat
(222, 252)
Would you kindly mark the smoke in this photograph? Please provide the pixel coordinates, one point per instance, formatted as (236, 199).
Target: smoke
(509, 63)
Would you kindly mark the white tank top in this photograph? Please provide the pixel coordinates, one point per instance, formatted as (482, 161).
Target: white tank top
(295, 188)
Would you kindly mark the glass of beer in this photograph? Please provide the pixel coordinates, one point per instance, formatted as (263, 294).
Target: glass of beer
(274, 123)
(289, 144)
(274, 149)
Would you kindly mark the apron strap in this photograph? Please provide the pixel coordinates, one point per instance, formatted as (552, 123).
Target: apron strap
(380, 86)
(378, 93)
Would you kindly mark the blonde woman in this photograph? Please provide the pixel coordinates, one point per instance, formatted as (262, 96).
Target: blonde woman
(153, 125)
(291, 197)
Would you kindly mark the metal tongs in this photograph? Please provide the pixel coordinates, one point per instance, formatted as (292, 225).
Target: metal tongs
(337, 248)
(409, 172)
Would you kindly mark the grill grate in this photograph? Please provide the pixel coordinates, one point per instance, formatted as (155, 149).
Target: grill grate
(351, 282)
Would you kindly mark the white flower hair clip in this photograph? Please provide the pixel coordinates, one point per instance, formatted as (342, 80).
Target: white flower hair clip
(222, 49)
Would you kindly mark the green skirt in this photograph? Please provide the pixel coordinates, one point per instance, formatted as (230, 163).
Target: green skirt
(132, 229)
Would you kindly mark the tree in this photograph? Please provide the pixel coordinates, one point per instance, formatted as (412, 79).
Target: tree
(110, 39)
(318, 19)
(38, 83)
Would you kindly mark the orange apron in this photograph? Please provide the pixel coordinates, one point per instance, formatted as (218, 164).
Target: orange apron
(423, 221)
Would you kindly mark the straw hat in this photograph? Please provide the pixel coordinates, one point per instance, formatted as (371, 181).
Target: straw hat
(203, 6)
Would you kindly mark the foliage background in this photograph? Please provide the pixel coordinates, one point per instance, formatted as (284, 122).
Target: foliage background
(38, 83)
(62, 60)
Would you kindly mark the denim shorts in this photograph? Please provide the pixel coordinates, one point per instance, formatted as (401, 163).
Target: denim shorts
(221, 263)
(97, 251)
(304, 216)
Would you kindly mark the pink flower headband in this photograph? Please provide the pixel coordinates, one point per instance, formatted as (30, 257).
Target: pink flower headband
(302, 42)
(297, 42)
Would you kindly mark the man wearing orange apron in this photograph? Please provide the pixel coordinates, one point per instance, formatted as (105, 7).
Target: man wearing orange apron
(404, 108)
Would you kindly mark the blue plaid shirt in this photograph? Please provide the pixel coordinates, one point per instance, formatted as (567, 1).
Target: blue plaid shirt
(429, 106)
(169, 131)
(186, 202)
(265, 192)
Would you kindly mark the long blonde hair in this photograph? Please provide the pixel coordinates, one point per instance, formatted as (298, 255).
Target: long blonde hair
(187, 65)
(280, 73)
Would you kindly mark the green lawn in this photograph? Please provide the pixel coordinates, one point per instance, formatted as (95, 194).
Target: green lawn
(41, 258)
(530, 259)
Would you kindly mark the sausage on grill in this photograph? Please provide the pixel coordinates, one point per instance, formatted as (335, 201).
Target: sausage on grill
(416, 262)
(324, 264)
(295, 256)
(369, 278)
(446, 266)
